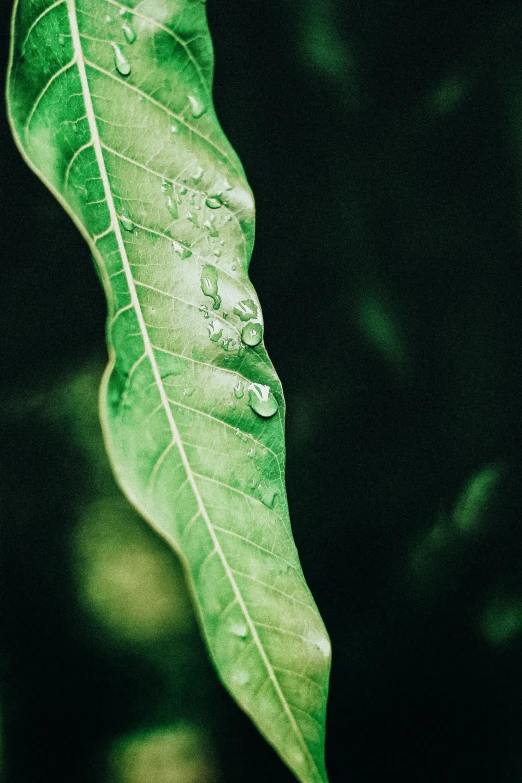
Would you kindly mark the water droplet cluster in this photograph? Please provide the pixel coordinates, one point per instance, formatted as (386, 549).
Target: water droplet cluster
(260, 397)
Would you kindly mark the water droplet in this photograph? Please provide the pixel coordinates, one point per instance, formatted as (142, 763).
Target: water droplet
(127, 223)
(239, 390)
(213, 202)
(284, 568)
(252, 334)
(227, 342)
(241, 435)
(209, 284)
(212, 230)
(217, 253)
(261, 400)
(225, 315)
(321, 642)
(109, 19)
(61, 39)
(173, 128)
(246, 309)
(204, 309)
(215, 330)
(238, 629)
(267, 495)
(189, 391)
(182, 191)
(197, 106)
(250, 453)
(121, 62)
(172, 207)
(128, 32)
(240, 677)
(241, 351)
(325, 646)
(197, 176)
(193, 219)
(181, 248)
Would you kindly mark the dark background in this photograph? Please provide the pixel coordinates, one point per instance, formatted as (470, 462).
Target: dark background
(383, 142)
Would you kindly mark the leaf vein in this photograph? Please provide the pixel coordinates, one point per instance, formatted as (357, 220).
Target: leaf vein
(41, 94)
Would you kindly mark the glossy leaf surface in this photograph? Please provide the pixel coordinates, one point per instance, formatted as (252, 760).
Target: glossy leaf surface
(111, 105)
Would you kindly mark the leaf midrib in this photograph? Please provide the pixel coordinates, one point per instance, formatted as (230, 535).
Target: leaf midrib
(176, 439)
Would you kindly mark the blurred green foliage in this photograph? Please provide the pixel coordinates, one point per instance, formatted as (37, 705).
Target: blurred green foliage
(391, 188)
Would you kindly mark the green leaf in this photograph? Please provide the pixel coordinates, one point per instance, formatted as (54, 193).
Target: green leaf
(111, 106)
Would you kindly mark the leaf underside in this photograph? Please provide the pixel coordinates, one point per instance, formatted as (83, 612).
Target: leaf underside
(111, 106)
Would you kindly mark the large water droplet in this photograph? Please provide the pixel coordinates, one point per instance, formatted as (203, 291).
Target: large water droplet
(215, 330)
(238, 629)
(172, 207)
(197, 176)
(212, 230)
(267, 495)
(239, 390)
(121, 62)
(128, 32)
(261, 400)
(321, 642)
(209, 284)
(197, 106)
(213, 202)
(246, 309)
(252, 334)
(181, 248)
(193, 219)
(127, 223)
(324, 646)
(240, 677)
